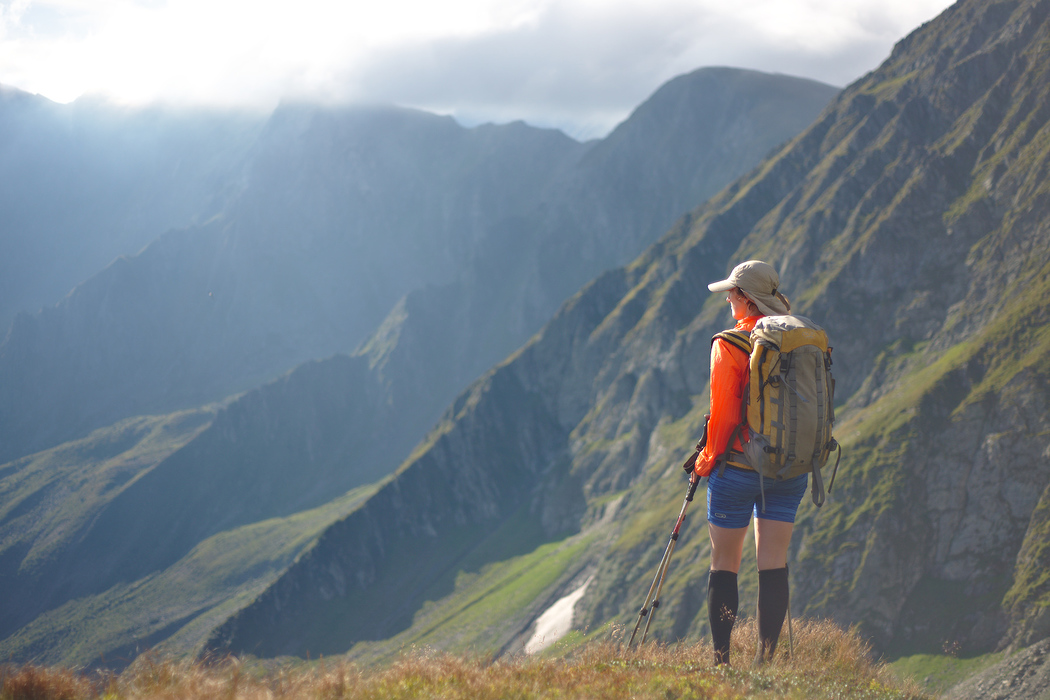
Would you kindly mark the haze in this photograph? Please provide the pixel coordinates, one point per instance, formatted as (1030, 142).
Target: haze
(579, 65)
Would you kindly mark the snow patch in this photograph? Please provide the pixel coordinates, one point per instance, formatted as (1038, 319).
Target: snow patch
(556, 621)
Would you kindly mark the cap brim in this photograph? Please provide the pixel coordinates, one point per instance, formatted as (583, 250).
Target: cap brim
(723, 286)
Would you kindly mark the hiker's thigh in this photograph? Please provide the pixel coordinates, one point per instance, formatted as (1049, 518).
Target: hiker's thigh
(772, 538)
(727, 547)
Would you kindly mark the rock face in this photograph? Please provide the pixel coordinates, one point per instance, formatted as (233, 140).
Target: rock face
(909, 220)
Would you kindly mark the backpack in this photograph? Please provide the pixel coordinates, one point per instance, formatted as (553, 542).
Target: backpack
(789, 407)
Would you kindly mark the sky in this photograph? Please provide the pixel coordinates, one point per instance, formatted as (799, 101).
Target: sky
(578, 65)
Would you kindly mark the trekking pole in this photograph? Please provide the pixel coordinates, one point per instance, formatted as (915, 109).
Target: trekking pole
(653, 596)
(791, 637)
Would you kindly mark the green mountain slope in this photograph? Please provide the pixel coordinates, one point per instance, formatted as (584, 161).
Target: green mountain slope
(132, 500)
(174, 610)
(50, 499)
(911, 220)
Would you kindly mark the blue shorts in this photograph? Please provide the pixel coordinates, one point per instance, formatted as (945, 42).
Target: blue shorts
(732, 497)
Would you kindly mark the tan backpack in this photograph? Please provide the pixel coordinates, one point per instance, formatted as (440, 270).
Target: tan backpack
(789, 409)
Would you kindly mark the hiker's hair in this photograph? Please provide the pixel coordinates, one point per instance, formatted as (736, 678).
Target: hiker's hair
(785, 300)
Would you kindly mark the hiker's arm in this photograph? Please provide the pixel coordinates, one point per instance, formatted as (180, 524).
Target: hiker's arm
(728, 375)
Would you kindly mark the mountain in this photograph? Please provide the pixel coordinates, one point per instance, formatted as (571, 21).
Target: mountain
(83, 183)
(910, 220)
(252, 464)
(343, 211)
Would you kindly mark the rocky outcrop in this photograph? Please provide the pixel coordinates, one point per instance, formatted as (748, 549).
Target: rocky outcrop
(1026, 601)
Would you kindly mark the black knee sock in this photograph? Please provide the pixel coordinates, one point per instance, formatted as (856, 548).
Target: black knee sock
(722, 602)
(772, 606)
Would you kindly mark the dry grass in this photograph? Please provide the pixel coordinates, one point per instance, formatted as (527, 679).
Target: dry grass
(828, 663)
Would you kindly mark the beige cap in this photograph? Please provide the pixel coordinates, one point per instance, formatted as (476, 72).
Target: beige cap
(759, 281)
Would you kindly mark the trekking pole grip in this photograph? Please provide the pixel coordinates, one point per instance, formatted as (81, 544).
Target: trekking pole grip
(694, 481)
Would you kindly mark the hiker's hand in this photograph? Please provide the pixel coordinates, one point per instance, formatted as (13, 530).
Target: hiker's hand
(689, 466)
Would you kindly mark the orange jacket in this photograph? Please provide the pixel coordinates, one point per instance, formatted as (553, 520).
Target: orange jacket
(729, 377)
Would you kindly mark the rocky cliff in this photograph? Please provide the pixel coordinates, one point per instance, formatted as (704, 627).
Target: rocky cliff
(910, 220)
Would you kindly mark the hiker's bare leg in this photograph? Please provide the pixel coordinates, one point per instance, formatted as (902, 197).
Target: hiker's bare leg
(727, 547)
(772, 538)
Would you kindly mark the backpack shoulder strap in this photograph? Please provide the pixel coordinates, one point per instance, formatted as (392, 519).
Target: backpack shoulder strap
(741, 340)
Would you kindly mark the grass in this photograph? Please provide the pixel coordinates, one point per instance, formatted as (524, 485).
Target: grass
(937, 673)
(828, 663)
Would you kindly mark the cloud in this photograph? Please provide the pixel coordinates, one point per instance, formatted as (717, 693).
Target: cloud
(577, 64)
(583, 66)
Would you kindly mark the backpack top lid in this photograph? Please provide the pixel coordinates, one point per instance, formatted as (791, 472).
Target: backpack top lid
(786, 333)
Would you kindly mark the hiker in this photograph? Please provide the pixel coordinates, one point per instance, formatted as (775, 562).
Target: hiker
(735, 492)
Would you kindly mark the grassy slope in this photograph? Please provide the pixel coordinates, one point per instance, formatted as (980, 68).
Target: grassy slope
(829, 663)
(182, 604)
(80, 478)
(490, 604)
(48, 499)
(936, 673)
